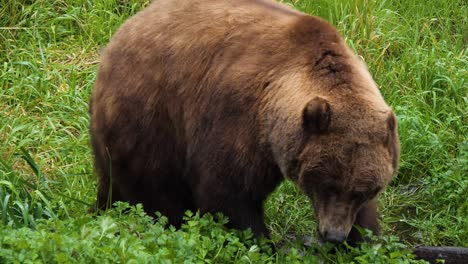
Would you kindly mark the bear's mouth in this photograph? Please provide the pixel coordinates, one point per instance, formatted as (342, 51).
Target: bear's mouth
(334, 237)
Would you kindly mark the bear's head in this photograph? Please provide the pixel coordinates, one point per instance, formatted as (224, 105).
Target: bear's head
(351, 152)
(329, 129)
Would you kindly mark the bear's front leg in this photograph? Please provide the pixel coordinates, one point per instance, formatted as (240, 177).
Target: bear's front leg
(366, 218)
(244, 214)
(242, 211)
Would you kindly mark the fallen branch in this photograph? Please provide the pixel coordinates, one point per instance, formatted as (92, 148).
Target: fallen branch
(451, 255)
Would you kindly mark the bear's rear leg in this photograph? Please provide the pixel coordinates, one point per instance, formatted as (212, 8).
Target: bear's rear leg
(106, 195)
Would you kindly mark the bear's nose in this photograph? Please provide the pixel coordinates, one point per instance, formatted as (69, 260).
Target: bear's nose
(334, 237)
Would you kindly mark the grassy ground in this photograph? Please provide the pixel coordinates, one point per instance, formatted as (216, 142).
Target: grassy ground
(48, 57)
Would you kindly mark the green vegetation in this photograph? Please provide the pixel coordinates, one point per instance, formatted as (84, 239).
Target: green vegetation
(48, 57)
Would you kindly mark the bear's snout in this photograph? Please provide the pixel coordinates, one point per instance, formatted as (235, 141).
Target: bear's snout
(335, 216)
(334, 236)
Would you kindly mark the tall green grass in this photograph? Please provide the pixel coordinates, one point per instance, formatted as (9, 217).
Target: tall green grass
(49, 51)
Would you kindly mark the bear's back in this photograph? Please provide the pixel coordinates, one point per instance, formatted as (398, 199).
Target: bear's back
(172, 38)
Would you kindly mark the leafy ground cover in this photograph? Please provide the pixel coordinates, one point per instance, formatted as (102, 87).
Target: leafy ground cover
(49, 50)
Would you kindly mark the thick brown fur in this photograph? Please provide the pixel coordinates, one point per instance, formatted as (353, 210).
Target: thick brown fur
(210, 104)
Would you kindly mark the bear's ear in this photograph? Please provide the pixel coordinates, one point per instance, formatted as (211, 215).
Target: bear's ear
(391, 121)
(316, 115)
(392, 141)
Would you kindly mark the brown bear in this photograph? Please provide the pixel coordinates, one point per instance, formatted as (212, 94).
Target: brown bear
(209, 104)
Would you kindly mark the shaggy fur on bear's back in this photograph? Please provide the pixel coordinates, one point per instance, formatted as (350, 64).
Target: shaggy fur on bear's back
(208, 104)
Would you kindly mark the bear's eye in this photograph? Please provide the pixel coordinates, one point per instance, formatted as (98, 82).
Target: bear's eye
(358, 196)
(375, 191)
(362, 196)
